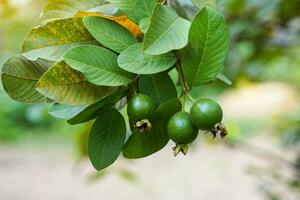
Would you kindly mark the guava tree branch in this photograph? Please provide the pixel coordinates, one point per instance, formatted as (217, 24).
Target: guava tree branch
(185, 88)
(181, 78)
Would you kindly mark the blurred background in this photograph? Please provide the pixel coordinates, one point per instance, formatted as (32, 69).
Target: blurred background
(42, 158)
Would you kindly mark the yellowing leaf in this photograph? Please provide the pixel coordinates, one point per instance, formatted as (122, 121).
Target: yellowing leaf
(82, 14)
(128, 24)
(123, 20)
(52, 40)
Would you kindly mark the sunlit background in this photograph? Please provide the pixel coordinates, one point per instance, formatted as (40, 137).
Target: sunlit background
(42, 158)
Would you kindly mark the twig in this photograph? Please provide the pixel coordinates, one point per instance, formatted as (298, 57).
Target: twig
(185, 89)
(181, 75)
(181, 79)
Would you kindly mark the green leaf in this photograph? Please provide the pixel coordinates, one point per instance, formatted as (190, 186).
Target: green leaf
(62, 9)
(167, 31)
(202, 3)
(224, 78)
(65, 111)
(98, 65)
(106, 9)
(67, 86)
(144, 24)
(107, 138)
(135, 9)
(109, 33)
(19, 77)
(126, 6)
(140, 145)
(95, 109)
(136, 61)
(143, 8)
(179, 9)
(159, 87)
(55, 38)
(207, 48)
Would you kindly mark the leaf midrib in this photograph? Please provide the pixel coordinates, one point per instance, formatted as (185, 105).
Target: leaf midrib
(148, 60)
(58, 85)
(98, 70)
(163, 33)
(18, 77)
(147, 10)
(107, 133)
(59, 45)
(113, 38)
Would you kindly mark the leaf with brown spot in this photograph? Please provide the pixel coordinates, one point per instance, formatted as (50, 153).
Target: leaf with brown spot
(19, 77)
(67, 86)
(55, 38)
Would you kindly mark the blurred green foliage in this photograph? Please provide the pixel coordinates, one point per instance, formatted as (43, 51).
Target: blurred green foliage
(19, 122)
(265, 39)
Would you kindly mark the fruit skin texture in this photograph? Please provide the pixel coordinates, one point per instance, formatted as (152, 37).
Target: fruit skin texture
(180, 128)
(206, 113)
(140, 107)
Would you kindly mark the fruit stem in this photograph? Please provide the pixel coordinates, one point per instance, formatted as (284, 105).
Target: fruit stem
(133, 87)
(183, 102)
(191, 98)
(181, 75)
(185, 89)
(181, 78)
